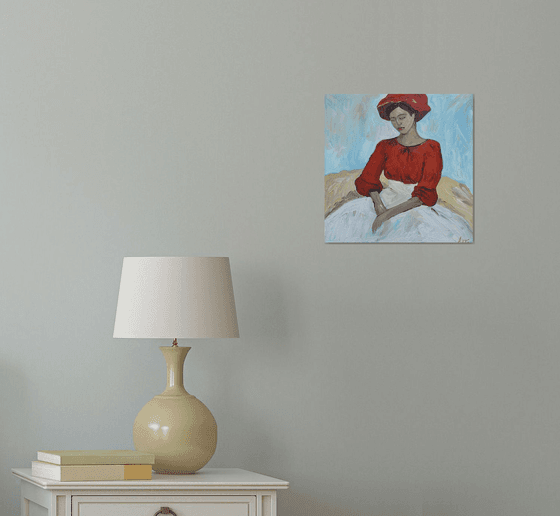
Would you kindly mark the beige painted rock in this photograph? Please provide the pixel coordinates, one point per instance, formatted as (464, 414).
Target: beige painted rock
(339, 189)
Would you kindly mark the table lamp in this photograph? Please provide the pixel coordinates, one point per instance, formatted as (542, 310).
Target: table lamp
(176, 298)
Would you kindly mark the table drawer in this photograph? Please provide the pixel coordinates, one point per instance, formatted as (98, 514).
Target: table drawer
(218, 505)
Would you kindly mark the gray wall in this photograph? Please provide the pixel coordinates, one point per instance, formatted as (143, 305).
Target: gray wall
(414, 380)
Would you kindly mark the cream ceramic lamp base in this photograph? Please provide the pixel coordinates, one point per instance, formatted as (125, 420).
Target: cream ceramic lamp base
(175, 426)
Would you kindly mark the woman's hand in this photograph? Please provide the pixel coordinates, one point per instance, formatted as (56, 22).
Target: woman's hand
(414, 202)
(379, 220)
(377, 203)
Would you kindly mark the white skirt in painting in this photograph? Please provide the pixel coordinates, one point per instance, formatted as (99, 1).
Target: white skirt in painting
(352, 221)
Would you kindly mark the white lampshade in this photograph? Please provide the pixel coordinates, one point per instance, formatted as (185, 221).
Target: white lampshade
(176, 297)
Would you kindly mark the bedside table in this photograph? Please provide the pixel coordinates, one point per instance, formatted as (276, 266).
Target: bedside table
(209, 492)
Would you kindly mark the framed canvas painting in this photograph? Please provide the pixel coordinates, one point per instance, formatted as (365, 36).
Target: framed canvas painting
(399, 168)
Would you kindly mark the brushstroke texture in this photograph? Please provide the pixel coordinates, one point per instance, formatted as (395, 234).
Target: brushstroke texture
(353, 128)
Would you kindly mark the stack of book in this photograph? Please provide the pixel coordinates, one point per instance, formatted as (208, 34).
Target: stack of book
(77, 465)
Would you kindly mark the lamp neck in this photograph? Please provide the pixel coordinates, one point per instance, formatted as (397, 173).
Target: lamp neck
(175, 359)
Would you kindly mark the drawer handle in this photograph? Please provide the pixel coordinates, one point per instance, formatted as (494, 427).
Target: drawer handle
(165, 510)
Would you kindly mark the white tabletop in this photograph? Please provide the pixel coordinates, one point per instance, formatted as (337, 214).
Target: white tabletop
(204, 479)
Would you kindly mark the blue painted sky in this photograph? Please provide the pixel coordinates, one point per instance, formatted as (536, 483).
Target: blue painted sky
(353, 128)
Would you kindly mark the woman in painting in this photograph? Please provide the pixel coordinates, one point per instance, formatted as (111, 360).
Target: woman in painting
(405, 210)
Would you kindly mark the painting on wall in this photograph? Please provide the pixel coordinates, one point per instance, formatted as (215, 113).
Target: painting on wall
(399, 168)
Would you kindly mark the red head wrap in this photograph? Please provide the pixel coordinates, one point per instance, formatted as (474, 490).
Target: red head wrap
(418, 102)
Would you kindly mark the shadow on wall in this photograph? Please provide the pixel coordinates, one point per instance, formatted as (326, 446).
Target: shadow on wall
(300, 504)
(265, 317)
(270, 305)
(246, 441)
(15, 435)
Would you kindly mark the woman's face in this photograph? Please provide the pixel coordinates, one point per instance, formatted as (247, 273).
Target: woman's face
(402, 121)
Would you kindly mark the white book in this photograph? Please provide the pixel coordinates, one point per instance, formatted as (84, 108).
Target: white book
(83, 457)
(91, 472)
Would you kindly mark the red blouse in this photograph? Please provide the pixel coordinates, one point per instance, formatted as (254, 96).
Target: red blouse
(420, 164)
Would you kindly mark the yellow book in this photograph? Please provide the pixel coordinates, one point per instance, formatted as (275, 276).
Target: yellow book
(91, 472)
(84, 457)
